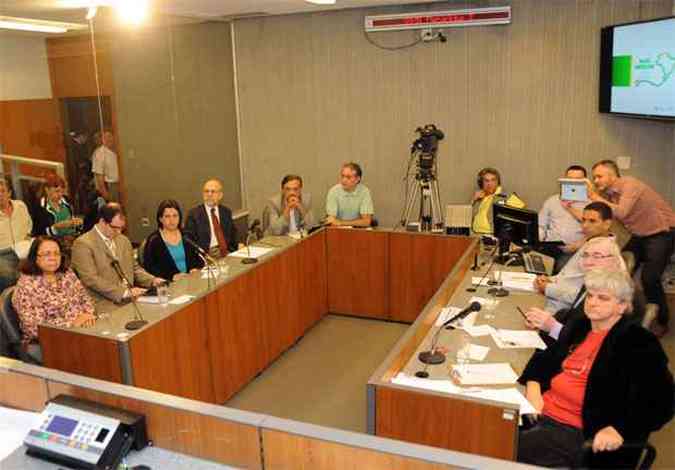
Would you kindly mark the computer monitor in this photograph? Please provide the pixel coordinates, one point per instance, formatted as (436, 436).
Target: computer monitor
(513, 225)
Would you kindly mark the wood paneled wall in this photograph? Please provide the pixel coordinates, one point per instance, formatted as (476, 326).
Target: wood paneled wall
(32, 128)
(72, 70)
(314, 93)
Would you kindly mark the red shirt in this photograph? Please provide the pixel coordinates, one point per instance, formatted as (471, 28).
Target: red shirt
(564, 400)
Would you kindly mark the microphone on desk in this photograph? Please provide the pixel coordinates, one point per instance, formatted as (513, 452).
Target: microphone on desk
(253, 228)
(431, 356)
(472, 307)
(492, 262)
(138, 322)
(206, 257)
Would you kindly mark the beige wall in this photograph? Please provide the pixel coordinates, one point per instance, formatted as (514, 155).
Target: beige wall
(523, 98)
(174, 97)
(24, 73)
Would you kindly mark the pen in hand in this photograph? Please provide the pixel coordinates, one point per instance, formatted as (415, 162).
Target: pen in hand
(520, 310)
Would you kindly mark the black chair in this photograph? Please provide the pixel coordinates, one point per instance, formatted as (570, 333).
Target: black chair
(643, 461)
(10, 333)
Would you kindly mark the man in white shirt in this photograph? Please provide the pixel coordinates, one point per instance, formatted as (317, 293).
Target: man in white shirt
(561, 221)
(105, 168)
(15, 226)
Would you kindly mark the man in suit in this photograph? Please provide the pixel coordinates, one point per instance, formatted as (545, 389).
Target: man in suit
(210, 224)
(289, 211)
(96, 253)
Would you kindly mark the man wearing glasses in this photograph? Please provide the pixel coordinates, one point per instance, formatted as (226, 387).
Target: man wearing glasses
(103, 253)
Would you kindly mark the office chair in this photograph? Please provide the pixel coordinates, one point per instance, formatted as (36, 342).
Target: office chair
(629, 259)
(10, 331)
(140, 252)
(644, 461)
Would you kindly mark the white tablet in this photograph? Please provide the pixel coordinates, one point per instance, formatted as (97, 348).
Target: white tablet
(573, 189)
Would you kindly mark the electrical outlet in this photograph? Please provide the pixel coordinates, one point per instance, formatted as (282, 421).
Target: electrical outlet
(623, 162)
(145, 222)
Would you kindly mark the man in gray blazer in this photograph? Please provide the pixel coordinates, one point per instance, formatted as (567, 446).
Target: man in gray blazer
(99, 254)
(290, 210)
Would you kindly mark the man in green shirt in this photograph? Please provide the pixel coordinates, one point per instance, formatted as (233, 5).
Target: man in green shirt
(349, 202)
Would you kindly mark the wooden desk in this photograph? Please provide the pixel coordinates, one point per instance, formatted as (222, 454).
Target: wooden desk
(457, 422)
(211, 347)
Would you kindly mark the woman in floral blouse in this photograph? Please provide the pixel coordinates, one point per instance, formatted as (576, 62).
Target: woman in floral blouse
(48, 292)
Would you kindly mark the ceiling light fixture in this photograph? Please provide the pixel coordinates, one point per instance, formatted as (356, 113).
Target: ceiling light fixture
(321, 2)
(37, 26)
(132, 11)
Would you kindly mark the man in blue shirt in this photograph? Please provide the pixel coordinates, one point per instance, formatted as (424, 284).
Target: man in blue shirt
(349, 202)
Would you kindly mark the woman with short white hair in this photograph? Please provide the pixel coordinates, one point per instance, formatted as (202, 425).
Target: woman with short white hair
(605, 380)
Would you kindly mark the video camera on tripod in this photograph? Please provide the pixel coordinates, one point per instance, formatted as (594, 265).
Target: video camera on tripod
(423, 183)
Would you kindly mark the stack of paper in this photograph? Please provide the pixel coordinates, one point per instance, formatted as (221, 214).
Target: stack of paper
(505, 395)
(511, 339)
(518, 281)
(484, 374)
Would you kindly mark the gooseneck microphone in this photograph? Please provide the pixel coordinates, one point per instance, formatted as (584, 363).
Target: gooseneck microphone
(138, 322)
(472, 307)
(492, 262)
(208, 260)
(253, 228)
(206, 257)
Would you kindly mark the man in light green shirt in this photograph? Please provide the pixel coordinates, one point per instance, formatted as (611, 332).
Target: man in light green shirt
(349, 202)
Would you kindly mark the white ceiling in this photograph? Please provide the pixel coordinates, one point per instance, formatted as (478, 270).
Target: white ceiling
(69, 10)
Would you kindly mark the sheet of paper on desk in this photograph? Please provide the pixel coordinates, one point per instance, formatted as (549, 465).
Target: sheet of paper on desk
(518, 281)
(449, 312)
(446, 314)
(442, 385)
(511, 339)
(478, 352)
(507, 395)
(181, 299)
(14, 425)
(148, 299)
(482, 280)
(256, 252)
(484, 374)
(480, 330)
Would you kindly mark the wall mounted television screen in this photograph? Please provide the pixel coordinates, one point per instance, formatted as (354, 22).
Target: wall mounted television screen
(637, 69)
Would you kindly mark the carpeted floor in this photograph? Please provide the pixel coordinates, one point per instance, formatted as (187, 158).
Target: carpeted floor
(322, 379)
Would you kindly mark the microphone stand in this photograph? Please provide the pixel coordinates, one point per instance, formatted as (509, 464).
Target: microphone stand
(138, 322)
(492, 262)
(208, 260)
(432, 356)
(210, 275)
(249, 260)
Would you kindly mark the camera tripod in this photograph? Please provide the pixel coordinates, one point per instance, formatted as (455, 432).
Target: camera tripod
(425, 187)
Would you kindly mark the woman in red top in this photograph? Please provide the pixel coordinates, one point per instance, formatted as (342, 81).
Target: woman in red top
(605, 381)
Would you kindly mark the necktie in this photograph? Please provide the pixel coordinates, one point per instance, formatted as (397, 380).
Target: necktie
(222, 244)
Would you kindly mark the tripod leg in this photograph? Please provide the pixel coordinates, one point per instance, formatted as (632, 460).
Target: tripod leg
(436, 205)
(410, 203)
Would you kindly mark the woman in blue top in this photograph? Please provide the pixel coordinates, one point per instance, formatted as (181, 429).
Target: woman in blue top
(165, 255)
